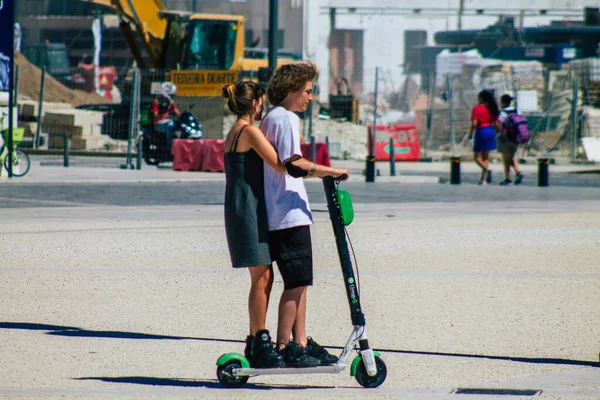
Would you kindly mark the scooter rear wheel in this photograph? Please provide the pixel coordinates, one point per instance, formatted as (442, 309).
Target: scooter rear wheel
(226, 377)
(363, 378)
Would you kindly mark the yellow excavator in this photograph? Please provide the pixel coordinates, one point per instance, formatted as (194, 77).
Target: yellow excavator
(201, 52)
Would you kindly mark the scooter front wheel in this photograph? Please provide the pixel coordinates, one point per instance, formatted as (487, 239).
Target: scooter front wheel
(226, 377)
(363, 378)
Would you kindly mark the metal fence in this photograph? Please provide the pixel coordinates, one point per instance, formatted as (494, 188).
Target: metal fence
(558, 104)
(58, 119)
(562, 106)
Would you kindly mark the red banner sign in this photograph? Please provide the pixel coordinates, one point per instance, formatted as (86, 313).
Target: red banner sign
(406, 142)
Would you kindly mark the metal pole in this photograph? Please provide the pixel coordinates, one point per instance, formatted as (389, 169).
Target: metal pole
(66, 150)
(461, 8)
(430, 93)
(372, 149)
(138, 160)
(574, 119)
(370, 168)
(40, 103)
(16, 85)
(392, 158)
(133, 116)
(273, 26)
(450, 98)
(310, 119)
(11, 100)
(304, 133)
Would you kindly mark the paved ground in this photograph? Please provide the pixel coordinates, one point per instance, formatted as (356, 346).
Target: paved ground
(116, 284)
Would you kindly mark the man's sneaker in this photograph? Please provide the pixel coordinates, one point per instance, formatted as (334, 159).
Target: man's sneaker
(264, 354)
(297, 357)
(248, 348)
(317, 351)
(518, 178)
(506, 182)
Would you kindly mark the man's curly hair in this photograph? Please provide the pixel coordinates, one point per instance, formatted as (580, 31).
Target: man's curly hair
(290, 78)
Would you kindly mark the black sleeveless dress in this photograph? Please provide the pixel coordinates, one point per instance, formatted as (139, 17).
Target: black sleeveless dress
(246, 224)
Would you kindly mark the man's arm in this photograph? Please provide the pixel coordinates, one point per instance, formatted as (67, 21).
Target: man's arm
(301, 167)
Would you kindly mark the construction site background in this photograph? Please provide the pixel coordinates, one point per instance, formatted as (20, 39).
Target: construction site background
(562, 107)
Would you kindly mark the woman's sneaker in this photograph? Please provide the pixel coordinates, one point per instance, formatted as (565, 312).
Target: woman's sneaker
(506, 182)
(248, 348)
(297, 357)
(317, 351)
(264, 354)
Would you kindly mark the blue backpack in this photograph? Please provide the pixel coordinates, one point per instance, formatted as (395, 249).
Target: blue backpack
(516, 127)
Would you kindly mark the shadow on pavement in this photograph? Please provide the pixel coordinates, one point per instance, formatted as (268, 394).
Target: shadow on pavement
(531, 360)
(204, 383)
(69, 331)
(57, 330)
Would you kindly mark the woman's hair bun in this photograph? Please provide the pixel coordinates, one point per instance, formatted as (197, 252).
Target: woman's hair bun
(228, 91)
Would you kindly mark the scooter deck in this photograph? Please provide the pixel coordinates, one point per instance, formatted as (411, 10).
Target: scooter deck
(326, 369)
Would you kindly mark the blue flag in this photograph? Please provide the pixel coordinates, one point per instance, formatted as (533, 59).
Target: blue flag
(7, 26)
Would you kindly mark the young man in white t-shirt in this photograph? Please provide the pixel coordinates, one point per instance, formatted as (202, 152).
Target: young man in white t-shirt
(291, 90)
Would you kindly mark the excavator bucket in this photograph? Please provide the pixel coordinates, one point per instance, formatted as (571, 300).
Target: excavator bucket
(145, 16)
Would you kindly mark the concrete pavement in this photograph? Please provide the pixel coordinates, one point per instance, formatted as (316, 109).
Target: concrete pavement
(86, 169)
(109, 293)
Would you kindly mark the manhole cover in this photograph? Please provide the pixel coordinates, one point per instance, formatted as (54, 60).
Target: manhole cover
(498, 392)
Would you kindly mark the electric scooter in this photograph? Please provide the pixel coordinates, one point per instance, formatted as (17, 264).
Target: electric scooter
(233, 369)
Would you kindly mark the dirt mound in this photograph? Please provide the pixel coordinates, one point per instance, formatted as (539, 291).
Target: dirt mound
(29, 86)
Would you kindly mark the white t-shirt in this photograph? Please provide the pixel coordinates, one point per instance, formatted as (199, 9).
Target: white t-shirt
(285, 196)
(503, 116)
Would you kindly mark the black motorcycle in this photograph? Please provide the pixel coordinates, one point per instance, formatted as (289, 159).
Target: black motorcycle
(154, 143)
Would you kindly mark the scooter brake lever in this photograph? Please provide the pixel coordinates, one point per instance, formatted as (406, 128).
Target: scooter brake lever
(341, 178)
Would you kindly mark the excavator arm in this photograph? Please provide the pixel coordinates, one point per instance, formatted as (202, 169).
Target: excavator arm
(145, 16)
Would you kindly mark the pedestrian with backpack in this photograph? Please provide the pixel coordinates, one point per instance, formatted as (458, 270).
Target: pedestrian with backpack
(514, 131)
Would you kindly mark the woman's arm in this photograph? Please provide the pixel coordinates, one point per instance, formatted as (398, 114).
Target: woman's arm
(317, 170)
(499, 125)
(259, 143)
(472, 127)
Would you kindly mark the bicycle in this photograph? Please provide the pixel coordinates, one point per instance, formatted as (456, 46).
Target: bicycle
(20, 159)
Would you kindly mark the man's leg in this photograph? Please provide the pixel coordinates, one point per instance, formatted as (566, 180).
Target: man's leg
(289, 312)
(299, 328)
(292, 249)
(515, 164)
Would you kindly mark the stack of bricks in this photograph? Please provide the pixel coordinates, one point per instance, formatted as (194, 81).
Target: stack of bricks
(83, 127)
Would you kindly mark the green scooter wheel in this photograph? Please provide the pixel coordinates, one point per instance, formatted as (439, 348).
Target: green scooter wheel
(226, 377)
(363, 378)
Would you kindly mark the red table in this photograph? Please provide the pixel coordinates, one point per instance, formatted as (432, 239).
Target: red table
(198, 155)
(320, 149)
(207, 154)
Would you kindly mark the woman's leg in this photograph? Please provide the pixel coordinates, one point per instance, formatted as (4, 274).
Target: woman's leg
(258, 300)
(481, 161)
(484, 162)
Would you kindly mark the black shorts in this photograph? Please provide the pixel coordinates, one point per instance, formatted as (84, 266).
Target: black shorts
(291, 248)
